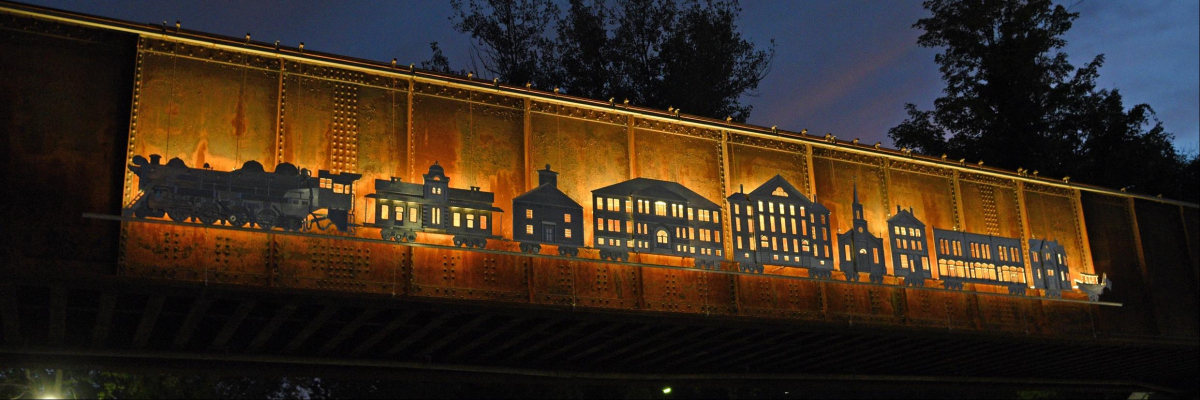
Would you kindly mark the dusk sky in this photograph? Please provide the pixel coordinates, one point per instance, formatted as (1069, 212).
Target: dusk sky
(842, 67)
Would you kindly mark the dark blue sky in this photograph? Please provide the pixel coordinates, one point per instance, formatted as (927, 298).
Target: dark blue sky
(846, 66)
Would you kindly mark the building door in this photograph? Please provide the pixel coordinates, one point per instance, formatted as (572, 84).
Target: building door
(548, 233)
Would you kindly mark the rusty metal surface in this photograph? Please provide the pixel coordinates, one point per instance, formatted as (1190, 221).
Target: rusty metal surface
(837, 174)
(587, 154)
(1053, 216)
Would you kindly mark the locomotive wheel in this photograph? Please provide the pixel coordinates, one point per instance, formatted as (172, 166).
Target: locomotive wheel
(178, 215)
(239, 218)
(266, 219)
(412, 237)
(458, 242)
(208, 212)
(574, 252)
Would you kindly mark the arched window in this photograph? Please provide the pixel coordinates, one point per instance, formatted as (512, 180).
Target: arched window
(661, 236)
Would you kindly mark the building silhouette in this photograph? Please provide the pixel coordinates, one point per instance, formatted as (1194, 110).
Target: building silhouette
(776, 224)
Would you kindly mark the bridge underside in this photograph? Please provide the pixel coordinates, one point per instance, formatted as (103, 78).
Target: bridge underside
(54, 319)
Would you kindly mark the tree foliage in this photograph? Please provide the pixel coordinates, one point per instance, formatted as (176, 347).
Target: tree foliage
(655, 53)
(1013, 100)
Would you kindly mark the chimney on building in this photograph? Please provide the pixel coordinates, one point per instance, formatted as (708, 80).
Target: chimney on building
(547, 176)
(898, 209)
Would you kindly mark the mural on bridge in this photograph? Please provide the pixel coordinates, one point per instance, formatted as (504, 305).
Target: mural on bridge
(775, 224)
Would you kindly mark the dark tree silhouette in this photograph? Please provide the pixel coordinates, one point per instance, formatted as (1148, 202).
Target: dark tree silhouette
(655, 53)
(1013, 100)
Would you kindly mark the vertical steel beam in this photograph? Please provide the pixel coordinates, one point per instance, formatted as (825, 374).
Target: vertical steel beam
(1081, 225)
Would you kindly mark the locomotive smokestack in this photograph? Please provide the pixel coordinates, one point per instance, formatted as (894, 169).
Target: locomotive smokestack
(547, 176)
(154, 159)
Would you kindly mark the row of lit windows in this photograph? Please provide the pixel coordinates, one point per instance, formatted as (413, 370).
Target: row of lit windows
(529, 215)
(978, 250)
(909, 244)
(782, 245)
(1009, 253)
(978, 270)
(1049, 256)
(613, 225)
(1050, 273)
(706, 235)
(911, 263)
(863, 253)
(529, 231)
(385, 210)
(435, 190)
(903, 231)
(703, 250)
(470, 220)
(950, 247)
(338, 188)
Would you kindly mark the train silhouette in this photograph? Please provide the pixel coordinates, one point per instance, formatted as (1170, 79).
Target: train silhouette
(774, 224)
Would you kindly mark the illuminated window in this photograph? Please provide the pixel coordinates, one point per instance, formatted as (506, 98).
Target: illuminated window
(627, 207)
(716, 217)
(739, 242)
(628, 226)
(599, 224)
(904, 260)
(691, 233)
(793, 226)
(847, 252)
(760, 206)
(792, 209)
(528, 229)
(383, 211)
(529, 213)
(772, 223)
(600, 241)
(660, 208)
(737, 209)
(435, 215)
(412, 214)
(567, 218)
(690, 214)
(661, 237)
(802, 212)
(737, 224)
(599, 204)
(400, 213)
(630, 243)
(482, 222)
(614, 204)
(457, 217)
(876, 251)
(471, 221)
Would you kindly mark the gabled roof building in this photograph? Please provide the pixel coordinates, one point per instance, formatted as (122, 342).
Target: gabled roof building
(645, 215)
(776, 224)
